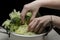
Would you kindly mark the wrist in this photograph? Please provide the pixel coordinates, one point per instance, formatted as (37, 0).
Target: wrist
(54, 21)
(53, 18)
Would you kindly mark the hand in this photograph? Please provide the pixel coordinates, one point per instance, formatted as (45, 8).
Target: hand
(38, 24)
(33, 7)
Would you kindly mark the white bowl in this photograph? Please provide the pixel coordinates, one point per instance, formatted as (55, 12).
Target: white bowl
(14, 36)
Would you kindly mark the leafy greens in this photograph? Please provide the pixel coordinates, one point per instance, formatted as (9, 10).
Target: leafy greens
(14, 23)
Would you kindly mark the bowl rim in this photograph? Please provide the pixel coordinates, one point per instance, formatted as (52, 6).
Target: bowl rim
(38, 35)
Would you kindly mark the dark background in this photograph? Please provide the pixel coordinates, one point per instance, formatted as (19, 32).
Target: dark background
(7, 6)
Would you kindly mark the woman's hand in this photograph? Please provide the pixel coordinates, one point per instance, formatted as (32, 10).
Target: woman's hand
(33, 7)
(38, 24)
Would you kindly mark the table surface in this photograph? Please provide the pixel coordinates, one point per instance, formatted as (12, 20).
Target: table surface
(51, 36)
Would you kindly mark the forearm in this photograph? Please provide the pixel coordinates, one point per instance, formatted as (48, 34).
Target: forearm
(56, 21)
(54, 4)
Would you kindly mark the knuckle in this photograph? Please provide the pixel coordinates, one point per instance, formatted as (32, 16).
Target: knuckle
(25, 7)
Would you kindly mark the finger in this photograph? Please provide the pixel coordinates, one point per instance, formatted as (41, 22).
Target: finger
(33, 26)
(30, 25)
(33, 15)
(41, 30)
(32, 22)
(23, 13)
(38, 26)
(43, 26)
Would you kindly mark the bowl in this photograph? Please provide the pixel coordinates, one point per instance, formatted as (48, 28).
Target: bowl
(14, 36)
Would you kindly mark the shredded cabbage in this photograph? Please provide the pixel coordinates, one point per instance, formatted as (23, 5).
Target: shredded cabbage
(14, 24)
